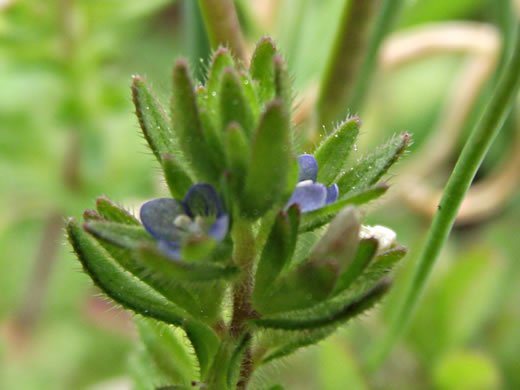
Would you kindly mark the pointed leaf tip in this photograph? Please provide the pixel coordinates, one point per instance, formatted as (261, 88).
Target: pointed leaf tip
(332, 154)
(188, 126)
(153, 120)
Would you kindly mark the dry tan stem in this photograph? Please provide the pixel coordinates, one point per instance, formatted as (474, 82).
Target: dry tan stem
(482, 43)
(483, 199)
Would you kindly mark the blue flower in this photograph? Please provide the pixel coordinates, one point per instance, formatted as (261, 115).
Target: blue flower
(171, 222)
(308, 194)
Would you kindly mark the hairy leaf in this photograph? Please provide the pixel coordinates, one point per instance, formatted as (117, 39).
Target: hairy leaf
(332, 154)
(270, 162)
(113, 212)
(372, 167)
(153, 121)
(118, 284)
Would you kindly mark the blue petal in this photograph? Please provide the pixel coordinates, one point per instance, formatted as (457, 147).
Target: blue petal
(202, 199)
(309, 197)
(158, 218)
(170, 249)
(332, 194)
(219, 229)
(308, 168)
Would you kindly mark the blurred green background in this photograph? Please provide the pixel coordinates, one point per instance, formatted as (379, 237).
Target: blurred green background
(68, 134)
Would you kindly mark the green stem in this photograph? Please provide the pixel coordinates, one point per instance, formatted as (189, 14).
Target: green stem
(459, 182)
(345, 60)
(243, 256)
(385, 21)
(222, 26)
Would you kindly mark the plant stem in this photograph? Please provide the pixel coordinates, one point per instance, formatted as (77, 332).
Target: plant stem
(243, 255)
(344, 63)
(385, 21)
(458, 184)
(222, 26)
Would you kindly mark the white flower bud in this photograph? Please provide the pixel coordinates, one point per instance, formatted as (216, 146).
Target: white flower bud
(385, 236)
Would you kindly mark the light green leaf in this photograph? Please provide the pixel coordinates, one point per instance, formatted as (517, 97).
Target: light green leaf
(168, 351)
(276, 255)
(366, 251)
(372, 167)
(270, 162)
(113, 212)
(153, 121)
(177, 179)
(320, 217)
(188, 127)
(237, 151)
(234, 106)
(262, 68)
(336, 314)
(332, 154)
(125, 236)
(151, 259)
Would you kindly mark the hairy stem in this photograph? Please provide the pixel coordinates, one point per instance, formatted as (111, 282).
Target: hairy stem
(244, 255)
(458, 184)
(345, 60)
(222, 26)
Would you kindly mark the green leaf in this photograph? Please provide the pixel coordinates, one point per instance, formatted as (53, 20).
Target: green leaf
(320, 217)
(125, 236)
(335, 316)
(332, 154)
(313, 282)
(167, 350)
(377, 270)
(91, 215)
(262, 68)
(113, 212)
(234, 106)
(276, 255)
(366, 251)
(293, 341)
(201, 302)
(372, 167)
(205, 343)
(282, 82)
(179, 294)
(118, 284)
(237, 151)
(197, 248)
(250, 93)
(153, 121)
(210, 120)
(304, 287)
(236, 359)
(177, 179)
(221, 60)
(188, 127)
(150, 258)
(270, 162)
(340, 241)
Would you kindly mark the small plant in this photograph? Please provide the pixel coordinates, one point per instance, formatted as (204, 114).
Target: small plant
(260, 251)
